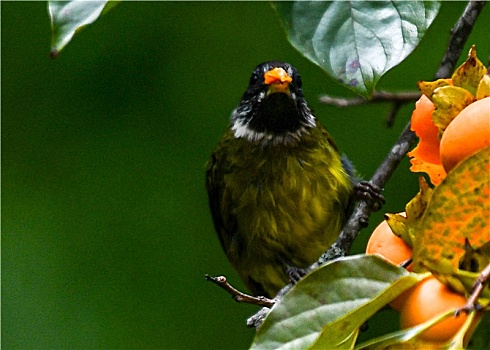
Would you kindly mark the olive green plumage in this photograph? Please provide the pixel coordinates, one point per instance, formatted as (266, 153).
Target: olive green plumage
(276, 200)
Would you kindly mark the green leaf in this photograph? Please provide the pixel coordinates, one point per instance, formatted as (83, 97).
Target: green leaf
(356, 42)
(326, 308)
(68, 17)
(407, 336)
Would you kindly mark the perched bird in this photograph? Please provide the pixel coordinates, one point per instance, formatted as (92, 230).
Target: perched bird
(278, 187)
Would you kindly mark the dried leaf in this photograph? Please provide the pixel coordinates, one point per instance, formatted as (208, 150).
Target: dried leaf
(469, 74)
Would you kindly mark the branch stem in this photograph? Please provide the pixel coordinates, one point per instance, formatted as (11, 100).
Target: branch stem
(239, 296)
(378, 96)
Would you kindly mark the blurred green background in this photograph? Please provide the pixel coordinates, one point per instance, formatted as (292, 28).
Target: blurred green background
(106, 230)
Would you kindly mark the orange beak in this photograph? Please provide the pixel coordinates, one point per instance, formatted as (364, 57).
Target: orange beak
(278, 79)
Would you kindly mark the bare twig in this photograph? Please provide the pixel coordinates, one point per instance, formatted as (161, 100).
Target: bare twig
(239, 296)
(476, 291)
(397, 100)
(395, 107)
(378, 96)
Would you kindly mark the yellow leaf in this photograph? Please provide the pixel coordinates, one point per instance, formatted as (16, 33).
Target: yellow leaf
(469, 74)
(404, 224)
(458, 212)
(399, 226)
(427, 87)
(483, 87)
(417, 206)
(449, 101)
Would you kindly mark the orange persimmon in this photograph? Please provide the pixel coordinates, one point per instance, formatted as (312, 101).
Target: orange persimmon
(385, 243)
(392, 248)
(425, 157)
(428, 299)
(468, 133)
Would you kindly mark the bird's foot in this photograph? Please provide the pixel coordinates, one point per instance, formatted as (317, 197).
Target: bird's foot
(369, 192)
(295, 273)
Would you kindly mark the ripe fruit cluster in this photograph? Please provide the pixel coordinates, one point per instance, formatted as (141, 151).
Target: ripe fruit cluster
(466, 134)
(425, 300)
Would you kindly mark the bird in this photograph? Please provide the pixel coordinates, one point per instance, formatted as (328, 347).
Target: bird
(278, 186)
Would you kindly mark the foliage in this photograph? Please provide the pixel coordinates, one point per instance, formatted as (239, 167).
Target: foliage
(356, 42)
(326, 308)
(347, 50)
(69, 17)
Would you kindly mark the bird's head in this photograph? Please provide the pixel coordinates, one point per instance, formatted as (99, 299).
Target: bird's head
(273, 109)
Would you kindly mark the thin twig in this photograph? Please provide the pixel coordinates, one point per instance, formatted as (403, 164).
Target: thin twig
(239, 296)
(395, 107)
(378, 96)
(476, 291)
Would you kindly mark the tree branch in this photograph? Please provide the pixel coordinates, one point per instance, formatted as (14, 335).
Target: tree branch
(351, 229)
(378, 96)
(397, 100)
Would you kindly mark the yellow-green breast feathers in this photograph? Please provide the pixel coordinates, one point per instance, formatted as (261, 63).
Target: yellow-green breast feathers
(277, 204)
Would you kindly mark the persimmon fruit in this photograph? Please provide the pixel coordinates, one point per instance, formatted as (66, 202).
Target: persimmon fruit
(385, 243)
(392, 248)
(428, 299)
(467, 133)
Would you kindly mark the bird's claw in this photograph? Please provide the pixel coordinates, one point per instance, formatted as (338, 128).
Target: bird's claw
(369, 192)
(295, 273)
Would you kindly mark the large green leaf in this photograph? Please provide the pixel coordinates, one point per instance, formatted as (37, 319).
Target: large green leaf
(356, 42)
(68, 17)
(327, 307)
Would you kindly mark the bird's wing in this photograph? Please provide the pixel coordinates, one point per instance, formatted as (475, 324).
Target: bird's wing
(224, 222)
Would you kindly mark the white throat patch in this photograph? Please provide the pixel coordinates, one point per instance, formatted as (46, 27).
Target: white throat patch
(242, 130)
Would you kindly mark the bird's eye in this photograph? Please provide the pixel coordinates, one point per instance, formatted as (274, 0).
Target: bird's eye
(254, 79)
